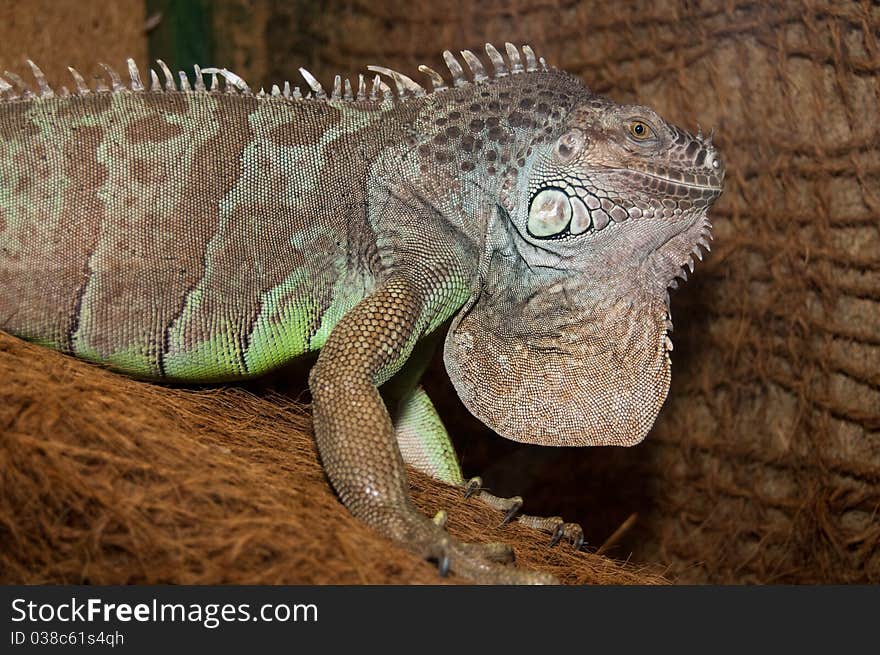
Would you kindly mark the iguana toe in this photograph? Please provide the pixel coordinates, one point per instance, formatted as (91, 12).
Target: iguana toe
(472, 486)
(489, 564)
(510, 506)
(497, 552)
(479, 563)
(555, 526)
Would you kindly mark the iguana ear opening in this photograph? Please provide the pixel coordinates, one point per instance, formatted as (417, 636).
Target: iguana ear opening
(543, 367)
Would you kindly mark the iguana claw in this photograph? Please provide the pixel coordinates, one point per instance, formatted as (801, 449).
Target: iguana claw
(558, 528)
(515, 506)
(440, 518)
(444, 566)
(510, 506)
(473, 486)
(571, 531)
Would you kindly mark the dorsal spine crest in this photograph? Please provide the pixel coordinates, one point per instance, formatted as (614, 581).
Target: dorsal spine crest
(12, 87)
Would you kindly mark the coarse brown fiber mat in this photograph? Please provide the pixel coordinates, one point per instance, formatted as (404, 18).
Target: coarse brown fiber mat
(764, 466)
(61, 33)
(107, 480)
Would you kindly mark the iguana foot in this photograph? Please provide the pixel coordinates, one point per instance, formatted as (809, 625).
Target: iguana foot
(510, 506)
(553, 525)
(495, 551)
(480, 563)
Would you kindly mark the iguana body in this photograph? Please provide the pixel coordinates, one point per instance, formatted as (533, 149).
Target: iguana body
(196, 235)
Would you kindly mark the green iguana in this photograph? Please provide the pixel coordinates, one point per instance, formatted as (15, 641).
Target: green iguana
(194, 234)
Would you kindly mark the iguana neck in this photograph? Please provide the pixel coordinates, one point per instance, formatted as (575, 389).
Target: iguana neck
(471, 145)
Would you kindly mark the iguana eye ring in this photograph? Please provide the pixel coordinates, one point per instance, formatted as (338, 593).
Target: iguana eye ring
(640, 131)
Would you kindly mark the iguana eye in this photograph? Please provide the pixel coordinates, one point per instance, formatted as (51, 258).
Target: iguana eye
(640, 131)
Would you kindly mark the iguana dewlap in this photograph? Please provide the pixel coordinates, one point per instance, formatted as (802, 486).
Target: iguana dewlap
(195, 235)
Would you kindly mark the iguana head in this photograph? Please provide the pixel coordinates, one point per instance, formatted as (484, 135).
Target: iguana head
(566, 342)
(614, 163)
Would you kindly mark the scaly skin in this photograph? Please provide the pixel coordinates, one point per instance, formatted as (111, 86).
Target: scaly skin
(195, 236)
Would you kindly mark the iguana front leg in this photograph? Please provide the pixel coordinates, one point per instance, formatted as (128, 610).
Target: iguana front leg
(356, 438)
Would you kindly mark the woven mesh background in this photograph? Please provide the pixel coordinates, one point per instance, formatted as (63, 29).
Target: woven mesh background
(79, 33)
(765, 464)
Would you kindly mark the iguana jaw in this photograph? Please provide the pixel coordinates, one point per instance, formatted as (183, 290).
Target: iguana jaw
(570, 348)
(675, 259)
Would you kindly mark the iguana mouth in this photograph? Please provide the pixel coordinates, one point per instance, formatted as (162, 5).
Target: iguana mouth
(680, 181)
(688, 185)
